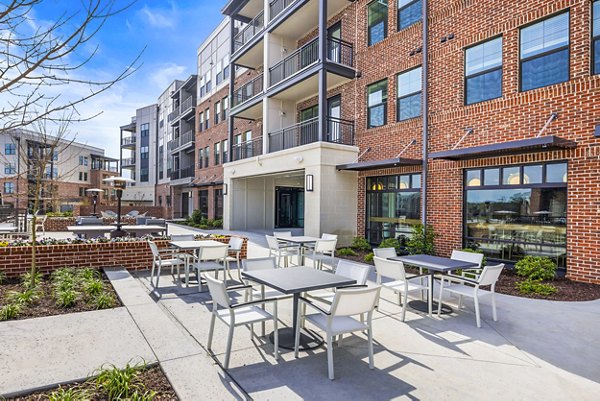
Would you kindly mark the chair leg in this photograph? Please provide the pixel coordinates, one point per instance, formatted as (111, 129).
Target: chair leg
(229, 341)
(371, 358)
(439, 312)
(460, 302)
(494, 315)
(298, 318)
(430, 297)
(330, 356)
(477, 317)
(152, 275)
(275, 333)
(211, 331)
(157, 275)
(404, 304)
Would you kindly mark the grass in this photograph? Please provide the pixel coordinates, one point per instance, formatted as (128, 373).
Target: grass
(10, 311)
(118, 384)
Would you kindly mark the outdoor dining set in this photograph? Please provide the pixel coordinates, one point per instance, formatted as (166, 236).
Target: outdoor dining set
(335, 302)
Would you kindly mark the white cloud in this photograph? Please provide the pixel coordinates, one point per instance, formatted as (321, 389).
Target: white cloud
(162, 75)
(158, 17)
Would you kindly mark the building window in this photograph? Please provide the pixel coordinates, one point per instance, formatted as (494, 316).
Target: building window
(10, 149)
(200, 158)
(55, 155)
(225, 103)
(409, 13)
(201, 122)
(81, 191)
(218, 194)
(144, 175)
(596, 36)
(377, 104)
(206, 118)
(144, 152)
(483, 71)
(217, 154)
(9, 187)
(393, 207)
(409, 94)
(145, 130)
(217, 112)
(203, 203)
(515, 211)
(377, 22)
(83, 161)
(168, 200)
(545, 52)
(224, 147)
(160, 200)
(206, 156)
(10, 168)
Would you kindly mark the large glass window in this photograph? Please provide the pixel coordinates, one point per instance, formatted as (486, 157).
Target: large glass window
(545, 52)
(217, 153)
(203, 202)
(515, 211)
(393, 207)
(377, 104)
(409, 94)
(596, 36)
(377, 21)
(218, 194)
(144, 130)
(9, 187)
(10, 149)
(483, 71)
(10, 168)
(409, 13)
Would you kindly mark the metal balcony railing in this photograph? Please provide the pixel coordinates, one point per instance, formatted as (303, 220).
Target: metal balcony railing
(340, 51)
(249, 31)
(182, 173)
(129, 140)
(277, 6)
(187, 104)
(185, 139)
(246, 149)
(338, 131)
(248, 90)
(128, 162)
(298, 60)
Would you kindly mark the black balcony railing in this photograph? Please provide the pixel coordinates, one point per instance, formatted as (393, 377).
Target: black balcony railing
(187, 104)
(298, 60)
(248, 90)
(182, 173)
(277, 6)
(246, 149)
(340, 51)
(183, 140)
(249, 31)
(338, 131)
(128, 140)
(128, 162)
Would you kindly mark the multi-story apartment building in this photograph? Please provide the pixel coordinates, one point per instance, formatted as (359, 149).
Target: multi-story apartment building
(69, 171)
(479, 118)
(139, 142)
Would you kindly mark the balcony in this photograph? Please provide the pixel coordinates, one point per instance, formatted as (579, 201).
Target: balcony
(186, 172)
(128, 142)
(246, 149)
(129, 162)
(250, 31)
(187, 105)
(338, 131)
(248, 90)
(184, 141)
(277, 6)
(173, 115)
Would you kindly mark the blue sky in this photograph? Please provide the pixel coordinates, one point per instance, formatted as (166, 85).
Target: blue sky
(171, 31)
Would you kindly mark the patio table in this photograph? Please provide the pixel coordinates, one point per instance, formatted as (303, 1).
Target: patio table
(295, 280)
(301, 240)
(194, 246)
(433, 264)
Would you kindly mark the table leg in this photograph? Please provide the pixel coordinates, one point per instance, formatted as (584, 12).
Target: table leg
(423, 306)
(287, 335)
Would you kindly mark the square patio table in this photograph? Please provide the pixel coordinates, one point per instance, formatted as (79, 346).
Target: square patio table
(194, 246)
(301, 240)
(295, 280)
(433, 264)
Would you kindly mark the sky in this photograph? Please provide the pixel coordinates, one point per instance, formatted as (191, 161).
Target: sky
(170, 31)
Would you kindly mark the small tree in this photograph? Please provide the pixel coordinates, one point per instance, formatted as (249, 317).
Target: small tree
(421, 240)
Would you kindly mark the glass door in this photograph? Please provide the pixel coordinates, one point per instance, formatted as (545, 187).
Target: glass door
(289, 207)
(334, 36)
(334, 113)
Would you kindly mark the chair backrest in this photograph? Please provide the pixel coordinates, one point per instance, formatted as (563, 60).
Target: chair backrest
(154, 250)
(235, 243)
(325, 245)
(329, 236)
(468, 257)
(272, 242)
(182, 237)
(355, 271)
(218, 291)
(213, 253)
(258, 264)
(385, 252)
(282, 233)
(354, 301)
(490, 274)
(389, 268)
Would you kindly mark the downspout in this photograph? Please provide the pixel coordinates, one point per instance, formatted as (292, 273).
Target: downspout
(424, 112)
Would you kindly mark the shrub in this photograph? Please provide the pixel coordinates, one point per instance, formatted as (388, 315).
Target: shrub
(104, 301)
(536, 268)
(26, 280)
(390, 243)
(217, 223)
(66, 298)
(93, 287)
(120, 383)
(196, 216)
(369, 257)
(346, 252)
(88, 274)
(60, 214)
(421, 240)
(10, 311)
(360, 244)
(70, 394)
(26, 297)
(530, 286)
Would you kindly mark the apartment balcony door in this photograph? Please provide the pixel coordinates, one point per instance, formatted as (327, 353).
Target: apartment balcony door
(334, 112)
(334, 50)
(289, 207)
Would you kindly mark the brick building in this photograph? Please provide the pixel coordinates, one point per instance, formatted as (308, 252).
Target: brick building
(487, 129)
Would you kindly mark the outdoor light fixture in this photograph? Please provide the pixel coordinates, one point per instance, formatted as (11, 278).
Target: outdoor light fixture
(224, 189)
(119, 183)
(94, 192)
(309, 185)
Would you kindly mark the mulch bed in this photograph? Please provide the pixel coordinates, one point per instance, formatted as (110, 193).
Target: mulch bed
(152, 378)
(47, 305)
(568, 290)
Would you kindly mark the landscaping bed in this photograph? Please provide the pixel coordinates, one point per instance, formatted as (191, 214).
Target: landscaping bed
(113, 384)
(65, 291)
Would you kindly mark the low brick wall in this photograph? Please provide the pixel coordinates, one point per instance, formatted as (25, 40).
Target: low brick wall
(16, 260)
(54, 224)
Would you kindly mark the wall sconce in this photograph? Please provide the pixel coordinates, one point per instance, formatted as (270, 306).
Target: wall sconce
(224, 189)
(309, 185)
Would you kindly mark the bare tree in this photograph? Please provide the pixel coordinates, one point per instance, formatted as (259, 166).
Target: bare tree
(37, 60)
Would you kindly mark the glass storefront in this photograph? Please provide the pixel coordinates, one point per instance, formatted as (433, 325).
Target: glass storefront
(393, 207)
(515, 211)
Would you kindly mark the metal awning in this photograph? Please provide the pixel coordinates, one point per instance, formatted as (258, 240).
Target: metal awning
(378, 164)
(505, 148)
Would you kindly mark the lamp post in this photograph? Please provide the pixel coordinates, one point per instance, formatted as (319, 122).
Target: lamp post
(94, 192)
(119, 183)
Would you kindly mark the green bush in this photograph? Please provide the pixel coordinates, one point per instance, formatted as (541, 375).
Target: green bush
(530, 286)
(60, 214)
(216, 223)
(346, 252)
(120, 384)
(88, 274)
(197, 217)
(104, 301)
(536, 268)
(66, 298)
(70, 394)
(26, 297)
(93, 287)
(10, 311)
(26, 280)
(360, 244)
(369, 257)
(390, 243)
(421, 240)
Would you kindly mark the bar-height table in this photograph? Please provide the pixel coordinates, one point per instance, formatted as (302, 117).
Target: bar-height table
(300, 240)
(295, 280)
(433, 264)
